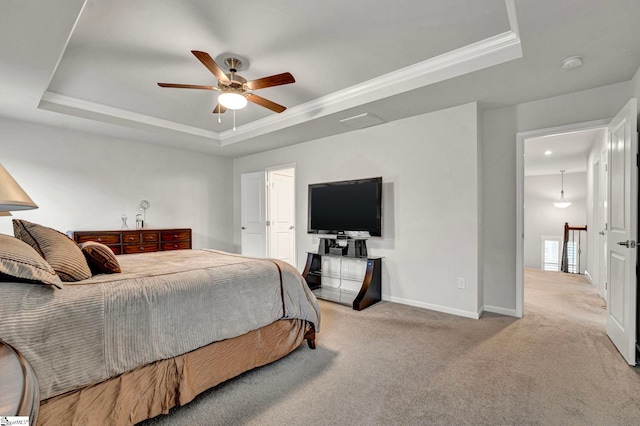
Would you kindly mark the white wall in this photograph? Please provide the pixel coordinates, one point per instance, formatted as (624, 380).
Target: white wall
(84, 181)
(499, 209)
(429, 166)
(542, 218)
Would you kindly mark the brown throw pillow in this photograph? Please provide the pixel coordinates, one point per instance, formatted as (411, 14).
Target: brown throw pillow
(60, 251)
(19, 262)
(25, 236)
(100, 258)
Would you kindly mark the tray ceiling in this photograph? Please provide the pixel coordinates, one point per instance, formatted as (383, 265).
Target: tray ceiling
(97, 62)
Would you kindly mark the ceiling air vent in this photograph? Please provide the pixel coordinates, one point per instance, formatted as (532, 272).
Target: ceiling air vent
(361, 121)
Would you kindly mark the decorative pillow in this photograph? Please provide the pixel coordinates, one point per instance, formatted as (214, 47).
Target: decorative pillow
(25, 236)
(60, 251)
(100, 258)
(20, 262)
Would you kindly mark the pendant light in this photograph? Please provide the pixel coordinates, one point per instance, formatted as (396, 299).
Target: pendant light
(562, 204)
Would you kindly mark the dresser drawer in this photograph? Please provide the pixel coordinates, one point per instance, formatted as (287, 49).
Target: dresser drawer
(150, 237)
(139, 248)
(130, 237)
(103, 238)
(178, 245)
(176, 235)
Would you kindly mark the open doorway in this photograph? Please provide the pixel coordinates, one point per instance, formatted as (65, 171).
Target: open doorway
(621, 214)
(543, 155)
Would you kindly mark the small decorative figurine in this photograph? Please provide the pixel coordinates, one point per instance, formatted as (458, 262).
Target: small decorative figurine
(144, 205)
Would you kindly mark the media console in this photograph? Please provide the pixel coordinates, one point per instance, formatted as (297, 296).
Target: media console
(338, 276)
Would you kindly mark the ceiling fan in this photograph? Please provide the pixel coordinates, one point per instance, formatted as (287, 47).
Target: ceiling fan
(235, 90)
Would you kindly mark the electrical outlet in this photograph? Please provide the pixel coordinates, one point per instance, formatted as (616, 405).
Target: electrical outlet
(462, 283)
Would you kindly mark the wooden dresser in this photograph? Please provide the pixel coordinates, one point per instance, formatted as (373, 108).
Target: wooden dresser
(138, 241)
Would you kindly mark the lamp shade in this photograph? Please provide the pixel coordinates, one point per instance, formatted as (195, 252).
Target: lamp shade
(232, 100)
(562, 204)
(12, 196)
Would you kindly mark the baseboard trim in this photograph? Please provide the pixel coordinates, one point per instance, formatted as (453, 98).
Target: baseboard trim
(501, 311)
(431, 306)
(588, 275)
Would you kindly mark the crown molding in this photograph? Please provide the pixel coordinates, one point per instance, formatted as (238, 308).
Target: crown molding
(86, 109)
(483, 54)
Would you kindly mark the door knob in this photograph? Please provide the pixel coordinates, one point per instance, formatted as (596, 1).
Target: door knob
(291, 227)
(601, 232)
(242, 227)
(627, 243)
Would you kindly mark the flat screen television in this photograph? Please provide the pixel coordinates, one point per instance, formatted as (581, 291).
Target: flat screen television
(352, 205)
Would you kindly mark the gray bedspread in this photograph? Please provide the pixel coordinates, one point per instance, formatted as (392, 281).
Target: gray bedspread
(162, 305)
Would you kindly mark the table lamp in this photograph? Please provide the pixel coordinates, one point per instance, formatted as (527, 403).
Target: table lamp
(12, 196)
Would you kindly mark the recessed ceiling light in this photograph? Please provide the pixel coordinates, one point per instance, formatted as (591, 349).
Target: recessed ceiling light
(547, 152)
(571, 62)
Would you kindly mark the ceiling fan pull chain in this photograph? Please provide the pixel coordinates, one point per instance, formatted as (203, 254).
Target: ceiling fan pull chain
(219, 108)
(234, 120)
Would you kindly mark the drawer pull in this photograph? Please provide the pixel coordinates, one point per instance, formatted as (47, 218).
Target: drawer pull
(131, 238)
(175, 245)
(99, 239)
(141, 248)
(175, 235)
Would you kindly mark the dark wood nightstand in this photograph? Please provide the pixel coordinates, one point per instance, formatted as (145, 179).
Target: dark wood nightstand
(19, 394)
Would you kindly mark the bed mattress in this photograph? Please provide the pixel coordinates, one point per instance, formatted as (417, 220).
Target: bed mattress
(162, 305)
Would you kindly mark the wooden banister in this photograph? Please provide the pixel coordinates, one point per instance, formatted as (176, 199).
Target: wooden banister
(565, 257)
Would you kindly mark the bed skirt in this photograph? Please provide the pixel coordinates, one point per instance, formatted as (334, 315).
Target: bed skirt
(153, 389)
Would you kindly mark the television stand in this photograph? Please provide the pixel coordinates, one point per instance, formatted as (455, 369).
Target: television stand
(356, 246)
(351, 281)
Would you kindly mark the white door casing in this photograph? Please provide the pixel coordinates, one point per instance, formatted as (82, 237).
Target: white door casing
(281, 202)
(601, 224)
(253, 214)
(622, 206)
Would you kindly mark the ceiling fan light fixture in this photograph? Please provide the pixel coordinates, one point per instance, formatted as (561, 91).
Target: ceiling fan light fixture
(232, 100)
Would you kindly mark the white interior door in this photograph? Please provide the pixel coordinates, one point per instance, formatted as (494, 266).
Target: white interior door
(281, 229)
(253, 214)
(622, 232)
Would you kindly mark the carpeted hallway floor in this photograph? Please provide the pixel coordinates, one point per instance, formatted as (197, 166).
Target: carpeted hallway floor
(393, 364)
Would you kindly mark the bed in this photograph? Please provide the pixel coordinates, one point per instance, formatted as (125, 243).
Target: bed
(122, 348)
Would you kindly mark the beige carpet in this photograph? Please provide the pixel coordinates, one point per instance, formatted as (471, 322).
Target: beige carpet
(393, 364)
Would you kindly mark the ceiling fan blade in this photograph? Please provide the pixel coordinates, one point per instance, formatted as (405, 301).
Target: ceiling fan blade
(265, 103)
(211, 65)
(274, 80)
(188, 86)
(219, 109)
